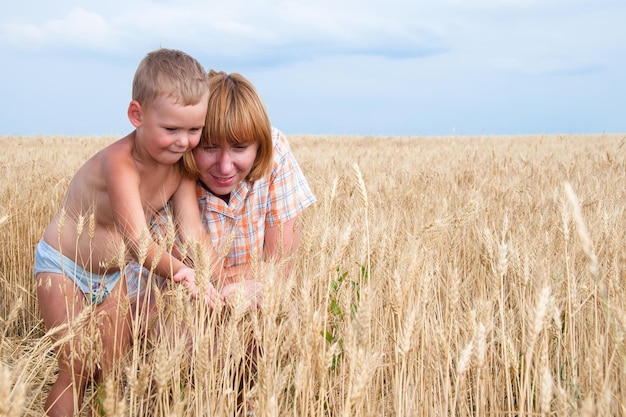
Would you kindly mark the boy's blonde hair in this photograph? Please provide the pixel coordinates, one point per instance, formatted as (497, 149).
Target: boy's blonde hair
(171, 73)
(236, 114)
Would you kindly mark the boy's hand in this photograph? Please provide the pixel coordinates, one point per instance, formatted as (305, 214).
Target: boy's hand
(186, 276)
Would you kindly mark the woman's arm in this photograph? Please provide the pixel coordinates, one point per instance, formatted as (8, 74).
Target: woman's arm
(281, 241)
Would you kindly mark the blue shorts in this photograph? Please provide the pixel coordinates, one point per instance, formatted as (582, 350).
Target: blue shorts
(96, 287)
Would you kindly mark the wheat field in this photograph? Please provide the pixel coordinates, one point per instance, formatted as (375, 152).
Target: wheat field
(436, 276)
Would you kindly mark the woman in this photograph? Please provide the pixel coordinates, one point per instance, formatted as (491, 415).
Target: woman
(250, 188)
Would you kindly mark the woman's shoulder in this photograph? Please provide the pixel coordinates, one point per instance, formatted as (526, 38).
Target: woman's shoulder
(280, 144)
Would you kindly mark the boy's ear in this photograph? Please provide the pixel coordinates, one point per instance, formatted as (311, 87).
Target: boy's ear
(135, 113)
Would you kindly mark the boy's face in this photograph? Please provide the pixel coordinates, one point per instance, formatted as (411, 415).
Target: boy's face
(168, 129)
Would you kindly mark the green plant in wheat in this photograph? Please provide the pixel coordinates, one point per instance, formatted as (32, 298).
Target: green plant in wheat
(337, 315)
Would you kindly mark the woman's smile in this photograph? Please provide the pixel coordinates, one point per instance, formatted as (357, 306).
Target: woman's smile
(223, 181)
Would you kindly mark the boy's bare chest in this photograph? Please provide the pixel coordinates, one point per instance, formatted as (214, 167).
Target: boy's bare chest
(156, 191)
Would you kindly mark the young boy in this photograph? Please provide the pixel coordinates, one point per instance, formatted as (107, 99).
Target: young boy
(105, 213)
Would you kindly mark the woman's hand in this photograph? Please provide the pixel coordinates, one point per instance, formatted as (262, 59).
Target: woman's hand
(250, 290)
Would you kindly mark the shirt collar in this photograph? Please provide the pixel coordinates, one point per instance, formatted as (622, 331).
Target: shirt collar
(236, 201)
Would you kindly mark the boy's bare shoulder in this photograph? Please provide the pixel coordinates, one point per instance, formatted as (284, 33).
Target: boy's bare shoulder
(121, 148)
(118, 156)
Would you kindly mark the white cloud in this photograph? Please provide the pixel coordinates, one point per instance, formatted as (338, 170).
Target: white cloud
(79, 27)
(295, 30)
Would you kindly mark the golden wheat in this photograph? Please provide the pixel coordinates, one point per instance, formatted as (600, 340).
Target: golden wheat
(435, 276)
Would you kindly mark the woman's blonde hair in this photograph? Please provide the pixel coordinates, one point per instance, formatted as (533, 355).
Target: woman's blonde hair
(236, 114)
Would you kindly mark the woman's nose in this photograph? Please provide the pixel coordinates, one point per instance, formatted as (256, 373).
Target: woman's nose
(224, 161)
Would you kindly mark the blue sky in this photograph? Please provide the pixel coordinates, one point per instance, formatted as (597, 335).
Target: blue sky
(365, 67)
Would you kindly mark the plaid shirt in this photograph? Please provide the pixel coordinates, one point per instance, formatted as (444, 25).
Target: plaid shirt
(237, 228)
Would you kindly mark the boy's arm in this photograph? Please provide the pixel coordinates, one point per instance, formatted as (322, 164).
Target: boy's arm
(188, 220)
(191, 231)
(122, 185)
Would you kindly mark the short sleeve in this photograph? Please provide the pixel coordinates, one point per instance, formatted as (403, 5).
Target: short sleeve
(289, 191)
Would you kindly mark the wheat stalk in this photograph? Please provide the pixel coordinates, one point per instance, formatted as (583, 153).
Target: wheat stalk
(583, 232)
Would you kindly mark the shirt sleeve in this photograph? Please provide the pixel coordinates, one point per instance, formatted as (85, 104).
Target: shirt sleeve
(289, 191)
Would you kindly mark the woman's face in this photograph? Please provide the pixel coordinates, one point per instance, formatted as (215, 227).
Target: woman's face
(222, 168)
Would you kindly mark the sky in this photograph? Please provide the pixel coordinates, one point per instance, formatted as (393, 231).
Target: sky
(328, 67)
